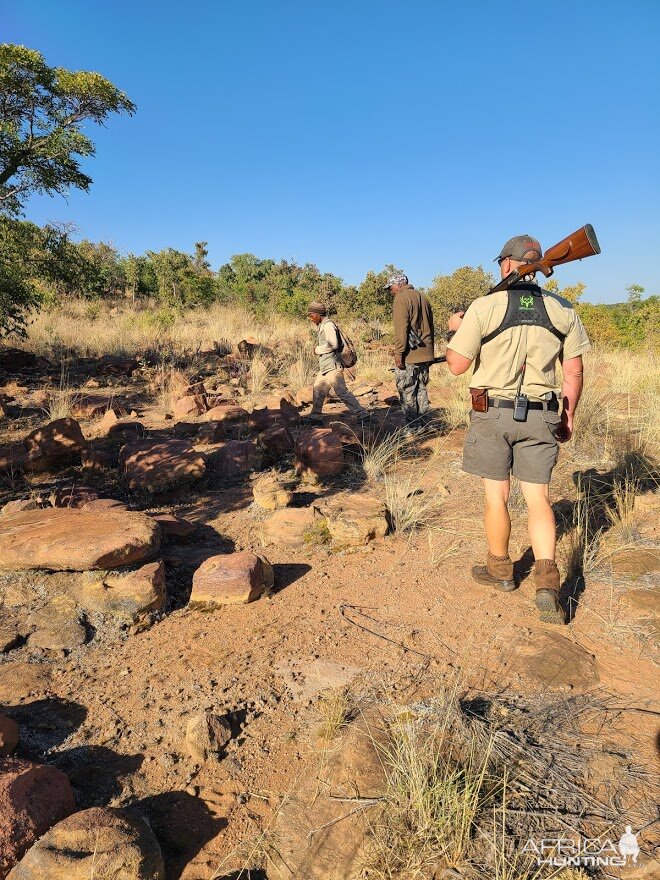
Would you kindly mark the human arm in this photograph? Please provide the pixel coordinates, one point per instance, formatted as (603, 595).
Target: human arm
(457, 363)
(571, 391)
(401, 319)
(329, 332)
(465, 342)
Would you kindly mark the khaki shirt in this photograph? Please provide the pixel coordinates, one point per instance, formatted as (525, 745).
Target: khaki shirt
(497, 367)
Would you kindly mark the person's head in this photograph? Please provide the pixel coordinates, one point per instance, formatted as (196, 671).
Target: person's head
(316, 312)
(516, 252)
(396, 282)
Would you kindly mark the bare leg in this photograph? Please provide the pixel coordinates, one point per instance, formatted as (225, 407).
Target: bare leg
(541, 520)
(496, 516)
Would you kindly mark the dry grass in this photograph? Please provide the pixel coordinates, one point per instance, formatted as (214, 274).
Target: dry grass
(335, 707)
(411, 506)
(62, 400)
(471, 780)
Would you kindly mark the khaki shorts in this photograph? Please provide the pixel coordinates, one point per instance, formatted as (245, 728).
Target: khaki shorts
(496, 446)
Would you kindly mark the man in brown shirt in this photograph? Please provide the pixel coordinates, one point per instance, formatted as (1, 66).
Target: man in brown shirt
(413, 349)
(515, 338)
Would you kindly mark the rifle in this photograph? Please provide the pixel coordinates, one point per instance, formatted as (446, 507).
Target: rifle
(439, 360)
(580, 244)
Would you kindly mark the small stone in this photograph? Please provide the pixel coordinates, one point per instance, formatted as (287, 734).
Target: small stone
(229, 579)
(131, 599)
(354, 520)
(635, 562)
(272, 492)
(57, 625)
(57, 440)
(191, 405)
(207, 735)
(288, 527)
(235, 458)
(174, 526)
(73, 496)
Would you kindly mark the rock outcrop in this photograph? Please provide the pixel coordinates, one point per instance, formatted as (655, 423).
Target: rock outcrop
(66, 539)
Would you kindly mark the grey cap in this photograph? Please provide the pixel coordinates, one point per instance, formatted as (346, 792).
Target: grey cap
(521, 248)
(317, 308)
(396, 278)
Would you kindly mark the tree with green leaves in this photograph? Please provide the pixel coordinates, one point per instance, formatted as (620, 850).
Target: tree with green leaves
(451, 293)
(42, 113)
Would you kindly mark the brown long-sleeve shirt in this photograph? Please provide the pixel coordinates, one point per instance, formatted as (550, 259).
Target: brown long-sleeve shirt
(412, 309)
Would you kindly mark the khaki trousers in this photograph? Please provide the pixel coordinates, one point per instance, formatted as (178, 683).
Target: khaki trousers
(333, 381)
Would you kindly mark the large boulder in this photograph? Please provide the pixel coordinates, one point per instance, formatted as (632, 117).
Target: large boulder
(15, 457)
(57, 440)
(354, 520)
(276, 442)
(235, 458)
(158, 465)
(319, 453)
(313, 837)
(66, 539)
(229, 579)
(129, 598)
(32, 799)
(101, 843)
(228, 416)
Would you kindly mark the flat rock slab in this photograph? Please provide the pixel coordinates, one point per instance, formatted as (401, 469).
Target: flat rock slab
(322, 829)
(67, 539)
(552, 660)
(96, 843)
(645, 603)
(289, 527)
(57, 625)
(158, 465)
(636, 562)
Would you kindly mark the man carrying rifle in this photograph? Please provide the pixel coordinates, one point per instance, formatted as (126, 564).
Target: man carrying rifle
(515, 337)
(413, 349)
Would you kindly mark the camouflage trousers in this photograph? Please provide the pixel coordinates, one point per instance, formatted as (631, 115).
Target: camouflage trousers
(411, 384)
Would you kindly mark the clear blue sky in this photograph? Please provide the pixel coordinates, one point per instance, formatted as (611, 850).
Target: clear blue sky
(354, 134)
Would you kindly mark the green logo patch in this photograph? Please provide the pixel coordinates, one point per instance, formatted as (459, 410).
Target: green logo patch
(527, 302)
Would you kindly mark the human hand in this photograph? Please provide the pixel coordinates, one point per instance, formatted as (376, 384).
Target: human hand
(399, 362)
(455, 322)
(565, 429)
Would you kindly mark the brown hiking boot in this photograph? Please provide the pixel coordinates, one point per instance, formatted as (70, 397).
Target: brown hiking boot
(498, 573)
(546, 578)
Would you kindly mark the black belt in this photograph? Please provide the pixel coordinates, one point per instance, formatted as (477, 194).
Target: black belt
(503, 403)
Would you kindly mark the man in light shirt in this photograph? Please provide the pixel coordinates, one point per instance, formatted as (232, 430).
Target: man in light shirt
(330, 376)
(516, 338)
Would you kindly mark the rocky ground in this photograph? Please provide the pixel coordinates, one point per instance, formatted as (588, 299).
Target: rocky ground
(187, 569)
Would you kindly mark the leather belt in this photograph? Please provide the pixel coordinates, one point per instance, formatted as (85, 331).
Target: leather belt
(503, 403)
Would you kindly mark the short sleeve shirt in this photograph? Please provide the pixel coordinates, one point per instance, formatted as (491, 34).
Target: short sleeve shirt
(498, 364)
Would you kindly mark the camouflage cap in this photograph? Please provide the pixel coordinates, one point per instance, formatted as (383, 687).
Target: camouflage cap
(521, 248)
(396, 278)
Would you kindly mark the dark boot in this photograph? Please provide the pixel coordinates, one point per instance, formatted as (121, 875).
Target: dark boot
(498, 573)
(546, 579)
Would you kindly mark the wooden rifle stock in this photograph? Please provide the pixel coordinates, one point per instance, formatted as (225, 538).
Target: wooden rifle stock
(581, 243)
